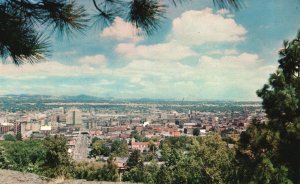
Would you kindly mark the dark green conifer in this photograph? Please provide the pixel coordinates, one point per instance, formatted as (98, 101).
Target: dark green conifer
(269, 150)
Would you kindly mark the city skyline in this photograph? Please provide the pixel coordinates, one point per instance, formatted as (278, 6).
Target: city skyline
(198, 53)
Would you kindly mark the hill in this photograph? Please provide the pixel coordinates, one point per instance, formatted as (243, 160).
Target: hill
(16, 177)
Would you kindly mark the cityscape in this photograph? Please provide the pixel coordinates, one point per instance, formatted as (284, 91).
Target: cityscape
(82, 120)
(149, 91)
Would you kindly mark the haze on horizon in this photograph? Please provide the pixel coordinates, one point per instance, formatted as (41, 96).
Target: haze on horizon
(198, 53)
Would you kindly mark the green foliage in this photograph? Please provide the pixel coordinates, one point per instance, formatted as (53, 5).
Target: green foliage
(146, 14)
(206, 160)
(215, 159)
(87, 170)
(200, 160)
(152, 168)
(98, 147)
(135, 158)
(141, 173)
(24, 155)
(57, 160)
(4, 163)
(152, 146)
(46, 157)
(165, 151)
(164, 175)
(267, 173)
(134, 175)
(149, 156)
(22, 23)
(109, 172)
(96, 171)
(171, 143)
(196, 132)
(181, 142)
(269, 151)
(136, 135)
(119, 148)
(106, 148)
(9, 137)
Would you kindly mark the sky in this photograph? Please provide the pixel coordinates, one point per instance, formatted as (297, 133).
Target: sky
(199, 52)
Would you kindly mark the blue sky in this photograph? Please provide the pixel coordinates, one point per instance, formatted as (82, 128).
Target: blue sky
(198, 53)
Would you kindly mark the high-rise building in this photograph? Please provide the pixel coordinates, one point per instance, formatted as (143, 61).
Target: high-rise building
(19, 128)
(74, 117)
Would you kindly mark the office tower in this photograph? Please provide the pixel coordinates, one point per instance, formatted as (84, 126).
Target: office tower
(74, 117)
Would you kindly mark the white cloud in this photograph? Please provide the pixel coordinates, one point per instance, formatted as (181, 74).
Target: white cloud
(163, 51)
(93, 60)
(190, 29)
(232, 76)
(219, 73)
(39, 70)
(122, 30)
(140, 69)
(223, 52)
(229, 76)
(200, 27)
(90, 65)
(230, 52)
(106, 82)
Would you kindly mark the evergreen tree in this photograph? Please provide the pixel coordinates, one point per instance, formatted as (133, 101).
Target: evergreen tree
(22, 22)
(269, 151)
(196, 132)
(135, 158)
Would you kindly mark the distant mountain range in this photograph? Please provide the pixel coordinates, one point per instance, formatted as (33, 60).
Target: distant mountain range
(85, 98)
(88, 98)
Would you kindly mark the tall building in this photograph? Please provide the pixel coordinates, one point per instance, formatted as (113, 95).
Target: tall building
(74, 117)
(19, 128)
